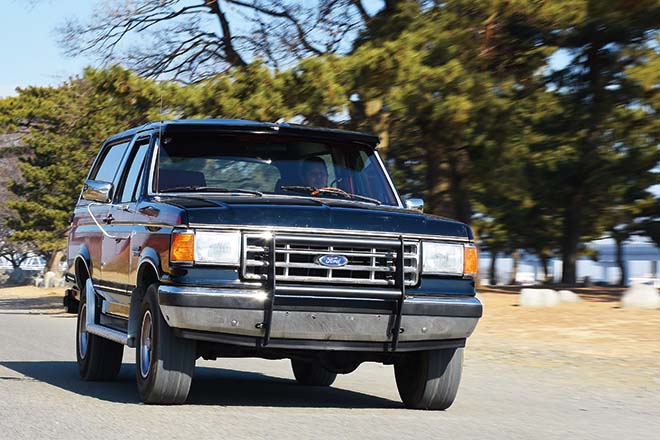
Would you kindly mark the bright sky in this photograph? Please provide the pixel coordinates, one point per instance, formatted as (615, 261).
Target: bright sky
(28, 48)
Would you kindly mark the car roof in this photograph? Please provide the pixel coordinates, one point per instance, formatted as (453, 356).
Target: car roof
(247, 126)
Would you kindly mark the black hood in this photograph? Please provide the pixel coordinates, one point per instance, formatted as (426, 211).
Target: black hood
(302, 212)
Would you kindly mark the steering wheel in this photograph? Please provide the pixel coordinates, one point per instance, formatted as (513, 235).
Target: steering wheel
(336, 180)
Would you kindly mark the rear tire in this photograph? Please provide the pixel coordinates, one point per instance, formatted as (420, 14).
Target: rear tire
(429, 379)
(99, 359)
(72, 306)
(312, 373)
(164, 363)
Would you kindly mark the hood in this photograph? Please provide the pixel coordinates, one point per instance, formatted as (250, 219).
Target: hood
(304, 212)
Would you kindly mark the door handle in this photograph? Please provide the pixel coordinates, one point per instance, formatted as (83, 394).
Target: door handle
(149, 211)
(108, 219)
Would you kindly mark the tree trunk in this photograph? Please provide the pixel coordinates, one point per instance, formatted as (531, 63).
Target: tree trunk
(379, 122)
(621, 262)
(492, 272)
(15, 264)
(53, 264)
(596, 112)
(571, 241)
(544, 262)
(458, 191)
(436, 183)
(569, 262)
(514, 271)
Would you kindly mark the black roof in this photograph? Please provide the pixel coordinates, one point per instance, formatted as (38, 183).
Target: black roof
(241, 125)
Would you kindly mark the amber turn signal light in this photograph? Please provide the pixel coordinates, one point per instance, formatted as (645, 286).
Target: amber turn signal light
(183, 247)
(470, 260)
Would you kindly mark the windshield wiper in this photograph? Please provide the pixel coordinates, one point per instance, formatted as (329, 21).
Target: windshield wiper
(329, 191)
(211, 189)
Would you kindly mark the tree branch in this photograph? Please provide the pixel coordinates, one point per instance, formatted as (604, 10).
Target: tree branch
(302, 34)
(232, 56)
(362, 11)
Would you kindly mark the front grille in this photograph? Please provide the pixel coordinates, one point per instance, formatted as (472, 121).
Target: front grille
(369, 261)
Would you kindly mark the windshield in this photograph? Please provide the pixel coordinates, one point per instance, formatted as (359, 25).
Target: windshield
(258, 165)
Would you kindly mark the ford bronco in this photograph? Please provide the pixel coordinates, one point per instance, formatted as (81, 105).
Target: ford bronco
(232, 238)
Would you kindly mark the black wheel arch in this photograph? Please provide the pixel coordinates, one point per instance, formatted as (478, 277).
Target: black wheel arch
(148, 273)
(82, 267)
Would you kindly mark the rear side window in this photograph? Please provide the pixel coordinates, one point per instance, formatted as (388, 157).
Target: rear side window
(110, 163)
(135, 166)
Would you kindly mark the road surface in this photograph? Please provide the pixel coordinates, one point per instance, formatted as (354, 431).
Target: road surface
(41, 396)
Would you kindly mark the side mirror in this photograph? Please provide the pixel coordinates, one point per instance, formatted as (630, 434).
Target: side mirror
(97, 191)
(415, 204)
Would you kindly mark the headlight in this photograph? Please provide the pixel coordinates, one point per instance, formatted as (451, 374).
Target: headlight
(222, 248)
(449, 258)
(217, 248)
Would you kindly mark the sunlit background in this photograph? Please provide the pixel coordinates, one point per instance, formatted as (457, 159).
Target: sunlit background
(534, 122)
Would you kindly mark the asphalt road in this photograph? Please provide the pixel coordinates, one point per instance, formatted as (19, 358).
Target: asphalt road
(41, 396)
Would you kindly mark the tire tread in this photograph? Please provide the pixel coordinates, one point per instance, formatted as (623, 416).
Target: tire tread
(173, 360)
(430, 379)
(103, 358)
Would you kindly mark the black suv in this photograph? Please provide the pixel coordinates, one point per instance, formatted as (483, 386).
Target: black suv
(209, 238)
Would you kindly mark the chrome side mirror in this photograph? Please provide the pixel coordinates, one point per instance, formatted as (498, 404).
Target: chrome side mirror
(415, 204)
(97, 191)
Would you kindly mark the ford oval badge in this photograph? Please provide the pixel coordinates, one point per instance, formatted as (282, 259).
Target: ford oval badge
(332, 260)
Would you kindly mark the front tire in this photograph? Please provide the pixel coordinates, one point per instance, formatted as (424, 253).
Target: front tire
(99, 359)
(164, 363)
(312, 373)
(429, 379)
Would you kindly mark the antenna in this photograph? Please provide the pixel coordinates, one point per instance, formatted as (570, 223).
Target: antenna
(160, 128)
(160, 131)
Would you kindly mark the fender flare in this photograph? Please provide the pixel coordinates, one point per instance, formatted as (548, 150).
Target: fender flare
(149, 257)
(84, 258)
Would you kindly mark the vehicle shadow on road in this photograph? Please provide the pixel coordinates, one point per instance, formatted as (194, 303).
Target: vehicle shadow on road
(211, 386)
(45, 304)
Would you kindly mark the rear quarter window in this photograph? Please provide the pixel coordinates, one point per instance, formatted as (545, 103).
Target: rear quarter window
(110, 163)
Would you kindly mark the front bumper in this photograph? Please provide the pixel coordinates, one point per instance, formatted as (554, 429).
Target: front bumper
(239, 315)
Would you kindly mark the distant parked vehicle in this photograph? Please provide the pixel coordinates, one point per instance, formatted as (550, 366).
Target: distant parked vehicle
(34, 263)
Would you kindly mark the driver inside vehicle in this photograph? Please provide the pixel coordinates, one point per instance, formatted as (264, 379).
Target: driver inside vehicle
(314, 172)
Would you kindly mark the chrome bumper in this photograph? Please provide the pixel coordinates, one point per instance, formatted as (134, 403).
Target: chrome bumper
(241, 312)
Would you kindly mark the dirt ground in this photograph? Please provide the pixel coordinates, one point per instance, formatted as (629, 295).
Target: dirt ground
(605, 343)
(29, 299)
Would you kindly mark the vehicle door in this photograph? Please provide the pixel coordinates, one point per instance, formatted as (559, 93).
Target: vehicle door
(116, 252)
(89, 215)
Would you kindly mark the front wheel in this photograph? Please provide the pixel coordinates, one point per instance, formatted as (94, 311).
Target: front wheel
(429, 379)
(99, 359)
(164, 362)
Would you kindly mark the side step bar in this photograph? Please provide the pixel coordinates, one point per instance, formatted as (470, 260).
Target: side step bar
(98, 329)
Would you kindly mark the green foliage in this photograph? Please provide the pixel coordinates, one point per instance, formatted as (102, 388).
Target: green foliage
(250, 93)
(66, 126)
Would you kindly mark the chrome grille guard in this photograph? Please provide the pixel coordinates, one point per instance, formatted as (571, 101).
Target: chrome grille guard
(389, 262)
